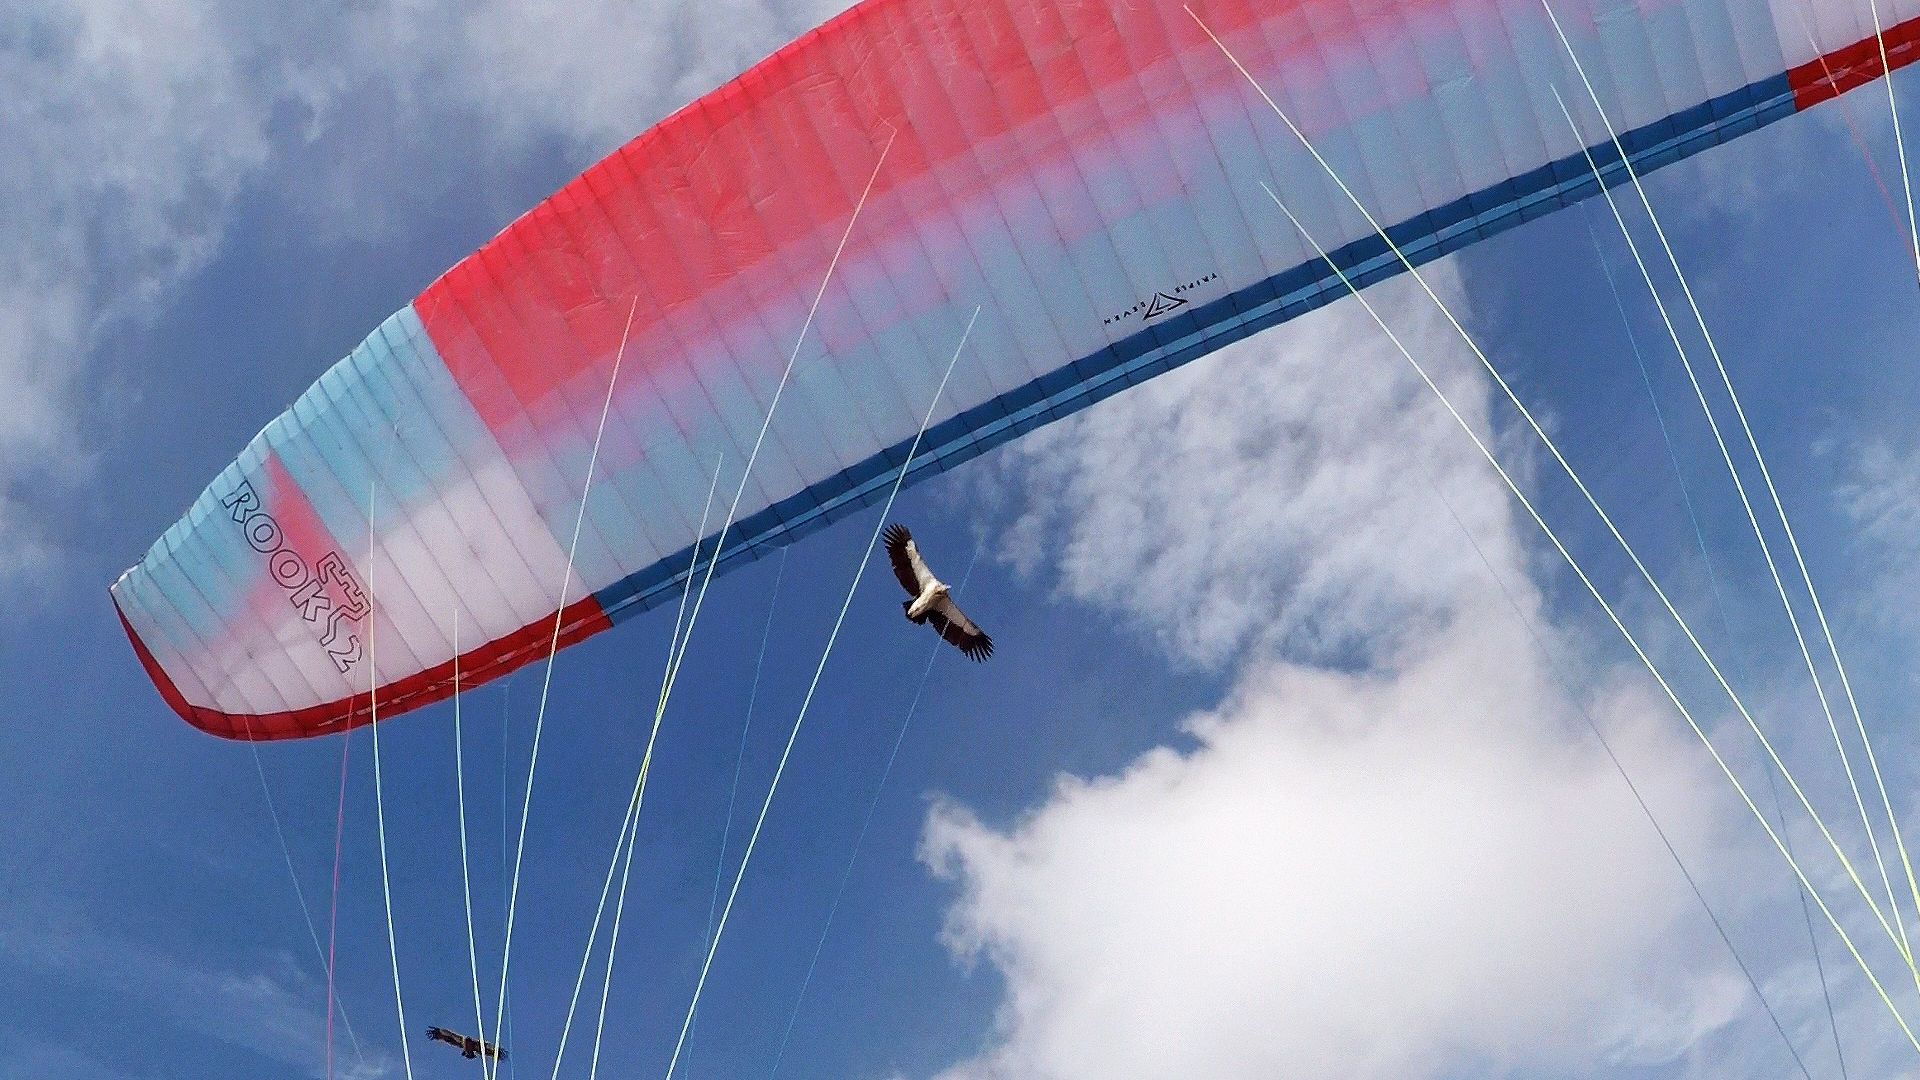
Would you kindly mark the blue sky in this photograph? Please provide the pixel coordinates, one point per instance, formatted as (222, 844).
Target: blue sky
(1264, 774)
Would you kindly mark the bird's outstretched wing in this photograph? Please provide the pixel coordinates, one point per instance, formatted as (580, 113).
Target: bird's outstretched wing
(958, 630)
(908, 568)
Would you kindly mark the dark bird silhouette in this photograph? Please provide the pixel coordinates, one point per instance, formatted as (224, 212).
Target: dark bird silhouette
(468, 1046)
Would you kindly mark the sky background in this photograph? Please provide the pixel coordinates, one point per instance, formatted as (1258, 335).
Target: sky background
(1281, 766)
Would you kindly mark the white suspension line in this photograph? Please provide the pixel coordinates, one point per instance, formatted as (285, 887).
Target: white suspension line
(640, 789)
(553, 647)
(785, 375)
(466, 880)
(1800, 11)
(1575, 699)
(293, 875)
(333, 903)
(1899, 141)
(1514, 488)
(1766, 474)
(506, 1001)
(630, 823)
(807, 701)
(739, 760)
(866, 823)
(613, 934)
(379, 800)
(1553, 449)
(746, 475)
(1720, 606)
(593, 936)
(340, 819)
(1726, 456)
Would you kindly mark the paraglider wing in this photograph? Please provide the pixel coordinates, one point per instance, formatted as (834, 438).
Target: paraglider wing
(1087, 173)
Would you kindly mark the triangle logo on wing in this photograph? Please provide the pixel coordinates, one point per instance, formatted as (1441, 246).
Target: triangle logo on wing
(1161, 304)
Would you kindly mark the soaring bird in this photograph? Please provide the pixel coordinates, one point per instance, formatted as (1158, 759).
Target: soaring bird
(929, 602)
(468, 1046)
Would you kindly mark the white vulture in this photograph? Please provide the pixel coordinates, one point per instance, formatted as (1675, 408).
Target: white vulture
(929, 602)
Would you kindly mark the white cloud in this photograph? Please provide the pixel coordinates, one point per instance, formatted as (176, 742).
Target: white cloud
(134, 126)
(128, 138)
(1395, 851)
(595, 73)
(1880, 494)
(1378, 875)
(1280, 491)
